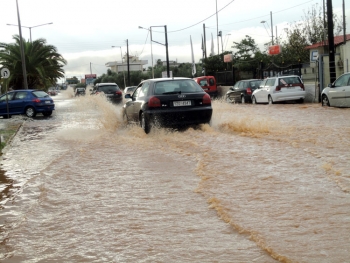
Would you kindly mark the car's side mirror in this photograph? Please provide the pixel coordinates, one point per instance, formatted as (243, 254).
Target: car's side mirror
(231, 88)
(330, 85)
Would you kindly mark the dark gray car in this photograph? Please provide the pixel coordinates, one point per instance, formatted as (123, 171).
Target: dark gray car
(242, 91)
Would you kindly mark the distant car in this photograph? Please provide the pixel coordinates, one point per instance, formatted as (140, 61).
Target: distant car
(242, 90)
(110, 90)
(28, 102)
(168, 102)
(337, 94)
(208, 84)
(52, 92)
(129, 90)
(277, 89)
(79, 92)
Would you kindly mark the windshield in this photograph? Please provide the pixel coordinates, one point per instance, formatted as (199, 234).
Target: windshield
(177, 86)
(108, 88)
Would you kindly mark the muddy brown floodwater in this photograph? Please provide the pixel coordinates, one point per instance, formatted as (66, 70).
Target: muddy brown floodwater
(264, 183)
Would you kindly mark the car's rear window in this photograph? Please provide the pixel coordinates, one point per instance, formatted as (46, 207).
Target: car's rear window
(289, 80)
(107, 88)
(255, 84)
(183, 86)
(40, 94)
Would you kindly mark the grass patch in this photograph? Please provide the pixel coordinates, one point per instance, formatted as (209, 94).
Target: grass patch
(6, 134)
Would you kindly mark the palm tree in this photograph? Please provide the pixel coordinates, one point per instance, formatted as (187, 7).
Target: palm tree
(44, 64)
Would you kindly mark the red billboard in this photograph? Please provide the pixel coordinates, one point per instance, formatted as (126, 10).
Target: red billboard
(275, 50)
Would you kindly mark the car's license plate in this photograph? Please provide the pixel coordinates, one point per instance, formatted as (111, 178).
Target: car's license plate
(182, 103)
(47, 101)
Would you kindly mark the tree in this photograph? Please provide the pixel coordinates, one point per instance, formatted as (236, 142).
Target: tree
(44, 65)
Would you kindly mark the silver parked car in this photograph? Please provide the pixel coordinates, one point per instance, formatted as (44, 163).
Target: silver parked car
(337, 94)
(281, 88)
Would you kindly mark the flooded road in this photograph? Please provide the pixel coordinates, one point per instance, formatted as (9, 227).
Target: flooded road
(264, 183)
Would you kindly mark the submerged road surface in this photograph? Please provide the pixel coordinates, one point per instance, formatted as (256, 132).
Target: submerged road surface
(264, 183)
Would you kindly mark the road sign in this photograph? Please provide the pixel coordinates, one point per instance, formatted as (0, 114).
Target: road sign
(5, 73)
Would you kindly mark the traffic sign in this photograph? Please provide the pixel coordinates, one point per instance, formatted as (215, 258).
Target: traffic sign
(5, 73)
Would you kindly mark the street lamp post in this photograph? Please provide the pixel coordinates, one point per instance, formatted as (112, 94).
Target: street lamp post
(30, 28)
(166, 48)
(263, 22)
(150, 30)
(121, 57)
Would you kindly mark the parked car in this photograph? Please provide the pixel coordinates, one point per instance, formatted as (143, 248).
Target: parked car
(28, 102)
(110, 90)
(242, 90)
(130, 90)
(208, 84)
(167, 102)
(52, 92)
(337, 94)
(277, 89)
(79, 92)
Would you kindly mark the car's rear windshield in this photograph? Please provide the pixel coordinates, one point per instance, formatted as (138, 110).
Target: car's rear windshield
(177, 86)
(289, 80)
(40, 94)
(107, 88)
(255, 83)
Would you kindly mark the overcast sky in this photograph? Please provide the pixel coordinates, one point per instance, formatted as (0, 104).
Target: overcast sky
(85, 31)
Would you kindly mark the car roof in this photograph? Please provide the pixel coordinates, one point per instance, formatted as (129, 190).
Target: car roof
(106, 83)
(167, 79)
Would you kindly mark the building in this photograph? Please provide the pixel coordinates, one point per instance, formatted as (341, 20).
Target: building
(319, 58)
(122, 66)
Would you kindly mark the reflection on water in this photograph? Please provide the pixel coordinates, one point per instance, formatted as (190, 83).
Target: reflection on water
(263, 184)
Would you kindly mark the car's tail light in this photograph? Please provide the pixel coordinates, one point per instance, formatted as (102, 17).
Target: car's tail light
(249, 91)
(36, 100)
(278, 88)
(206, 99)
(153, 102)
(302, 86)
(118, 92)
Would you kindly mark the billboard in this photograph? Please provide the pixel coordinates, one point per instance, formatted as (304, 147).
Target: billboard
(275, 50)
(90, 78)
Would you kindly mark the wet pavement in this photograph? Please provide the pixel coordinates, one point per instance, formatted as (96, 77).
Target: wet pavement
(264, 183)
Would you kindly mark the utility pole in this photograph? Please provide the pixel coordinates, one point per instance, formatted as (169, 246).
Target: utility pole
(205, 43)
(25, 81)
(167, 52)
(331, 41)
(127, 59)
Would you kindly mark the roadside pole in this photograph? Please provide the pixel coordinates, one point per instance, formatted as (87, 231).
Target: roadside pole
(5, 73)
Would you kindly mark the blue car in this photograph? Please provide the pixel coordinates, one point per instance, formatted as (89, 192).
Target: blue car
(27, 101)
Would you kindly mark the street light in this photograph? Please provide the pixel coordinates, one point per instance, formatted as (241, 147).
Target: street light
(226, 39)
(263, 22)
(150, 30)
(166, 46)
(121, 57)
(30, 28)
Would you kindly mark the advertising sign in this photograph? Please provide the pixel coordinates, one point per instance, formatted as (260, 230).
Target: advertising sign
(90, 78)
(228, 58)
(275, 50)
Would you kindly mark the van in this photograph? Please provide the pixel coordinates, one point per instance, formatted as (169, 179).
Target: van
(208, 84)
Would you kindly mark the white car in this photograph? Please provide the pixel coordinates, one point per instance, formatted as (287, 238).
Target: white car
(281, 88)
(337, 94)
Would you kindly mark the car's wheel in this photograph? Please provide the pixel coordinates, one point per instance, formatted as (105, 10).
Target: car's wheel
(242, 100)
(300, 101)
(145, 124)
(228, 99)
(270, 100)
(254, 100)
(47, 113)
(325, 101)
(30, 112)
